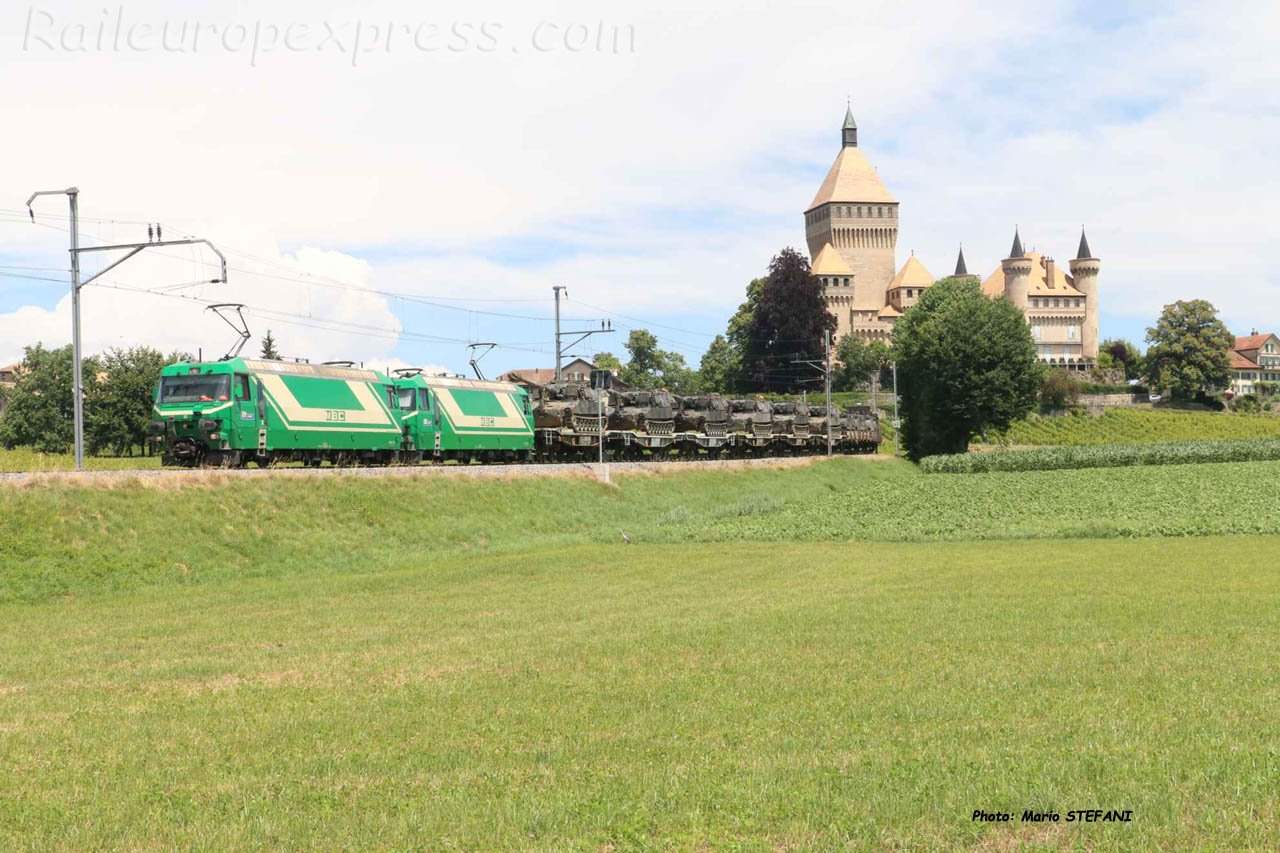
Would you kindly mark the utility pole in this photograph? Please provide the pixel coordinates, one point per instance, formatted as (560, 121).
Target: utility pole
(77, 377)
(827, 346)
(557, 288)
(606, 328)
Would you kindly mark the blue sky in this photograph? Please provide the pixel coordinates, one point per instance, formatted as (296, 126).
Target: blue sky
(653, 182)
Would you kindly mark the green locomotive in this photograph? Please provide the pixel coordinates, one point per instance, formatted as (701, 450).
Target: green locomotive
(232, 412)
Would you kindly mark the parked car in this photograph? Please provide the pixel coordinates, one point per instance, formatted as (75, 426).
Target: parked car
(1154, 398)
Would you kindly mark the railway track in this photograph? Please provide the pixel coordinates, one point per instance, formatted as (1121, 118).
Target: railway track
(553, 469)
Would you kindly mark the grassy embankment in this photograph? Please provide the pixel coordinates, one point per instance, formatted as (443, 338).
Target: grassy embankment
(414, 661)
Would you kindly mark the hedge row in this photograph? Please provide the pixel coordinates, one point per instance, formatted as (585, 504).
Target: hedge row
(1100, 388)
(1106, 456)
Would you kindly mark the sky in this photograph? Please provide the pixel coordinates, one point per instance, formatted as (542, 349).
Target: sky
(393, 181)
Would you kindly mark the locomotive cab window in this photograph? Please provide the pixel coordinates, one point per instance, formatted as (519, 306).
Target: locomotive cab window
(242, 386)
(392, 400)
(424, 400)
(406, 399)
(206, 388)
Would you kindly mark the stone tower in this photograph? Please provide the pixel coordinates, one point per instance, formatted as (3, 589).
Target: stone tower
(855, 214)
(1084, 273)
(1017, 274)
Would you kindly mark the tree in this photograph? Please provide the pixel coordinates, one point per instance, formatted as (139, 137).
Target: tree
(39, 411)
(857, 361)
(966, 364)
(1059, 391)
(1189, 349)
(118, 411)
(717, 372)
(269, 346)
(1121, 354)
(651, 367)
(787, 323)
(606, 361)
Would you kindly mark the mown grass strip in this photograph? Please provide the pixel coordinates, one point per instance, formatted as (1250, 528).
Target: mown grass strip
(1105, 456)
(749, 696)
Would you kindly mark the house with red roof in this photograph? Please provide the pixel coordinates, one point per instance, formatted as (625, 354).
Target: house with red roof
(1255, 359)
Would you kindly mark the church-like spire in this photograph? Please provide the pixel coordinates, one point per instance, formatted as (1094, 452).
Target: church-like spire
(1016, 251)
(1084, 247)
(849, 131)
(961, 269)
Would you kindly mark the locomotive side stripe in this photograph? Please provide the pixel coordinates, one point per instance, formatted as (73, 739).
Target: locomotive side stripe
(511, 419)
(337, 427)
(372, 412)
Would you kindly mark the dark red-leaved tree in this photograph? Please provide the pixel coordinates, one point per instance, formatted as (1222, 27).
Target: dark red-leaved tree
(787, 325)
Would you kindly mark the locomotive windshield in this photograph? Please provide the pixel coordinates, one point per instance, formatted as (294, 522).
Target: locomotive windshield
(195, 389)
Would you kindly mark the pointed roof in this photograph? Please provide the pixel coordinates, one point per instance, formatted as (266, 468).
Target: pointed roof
(1061, 285)
(912, 274)
(1252, 342)
(888, 311)
(829, 262)
(961, 269)
(1016, 251)
(851, 179)
(1084, 247)
(849, 123)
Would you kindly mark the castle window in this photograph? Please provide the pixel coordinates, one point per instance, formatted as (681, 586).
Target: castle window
(846, 282)
(1071, 333)
(1035, 332)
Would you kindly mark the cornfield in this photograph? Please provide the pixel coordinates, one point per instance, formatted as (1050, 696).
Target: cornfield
(1105, 456)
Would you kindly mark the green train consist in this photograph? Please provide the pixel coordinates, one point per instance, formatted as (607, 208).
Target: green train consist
(240, 410)
(229, 413)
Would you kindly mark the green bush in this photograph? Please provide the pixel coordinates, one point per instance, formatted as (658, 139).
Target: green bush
(1105, 456)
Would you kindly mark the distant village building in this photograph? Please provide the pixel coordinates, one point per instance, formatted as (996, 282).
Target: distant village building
(851, 227)
(578, 370)
(1254, 359)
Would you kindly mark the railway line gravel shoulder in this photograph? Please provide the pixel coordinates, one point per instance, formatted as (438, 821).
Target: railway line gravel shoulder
(212, 476)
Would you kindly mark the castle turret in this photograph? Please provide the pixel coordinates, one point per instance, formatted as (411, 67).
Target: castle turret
(961, 270)
(1017, 274)
(1084, 274)
(849, 131)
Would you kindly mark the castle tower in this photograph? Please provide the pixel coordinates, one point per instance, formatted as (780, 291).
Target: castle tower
(1017, 274)
(1084, 273)
(857, 217)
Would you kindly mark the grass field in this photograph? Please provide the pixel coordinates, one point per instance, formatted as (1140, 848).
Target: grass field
(1139, 425)
(26, 459)
(417, 662)
(758, 696)
(60, 539)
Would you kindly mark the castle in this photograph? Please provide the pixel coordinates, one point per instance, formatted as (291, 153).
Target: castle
(852, 230)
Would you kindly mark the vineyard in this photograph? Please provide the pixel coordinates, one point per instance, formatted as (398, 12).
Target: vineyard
(1122, 426)
(1105, 456)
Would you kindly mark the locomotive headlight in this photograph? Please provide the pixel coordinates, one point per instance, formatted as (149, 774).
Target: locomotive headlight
(208, 425)
(158, 427)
